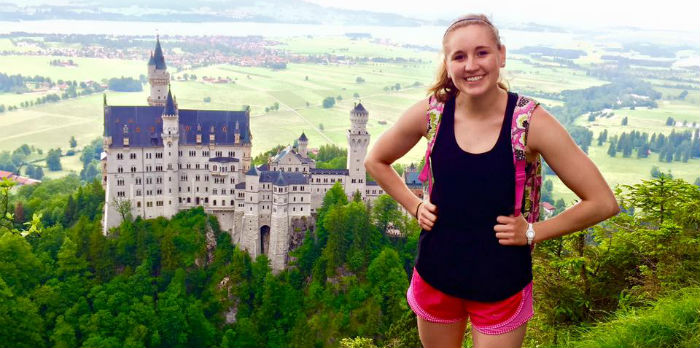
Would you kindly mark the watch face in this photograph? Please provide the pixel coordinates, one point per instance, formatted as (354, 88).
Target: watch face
(530, 233)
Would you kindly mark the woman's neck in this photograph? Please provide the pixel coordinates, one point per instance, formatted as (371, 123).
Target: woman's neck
(483, 106)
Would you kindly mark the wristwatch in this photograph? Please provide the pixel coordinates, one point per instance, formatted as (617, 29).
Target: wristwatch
(530, 234)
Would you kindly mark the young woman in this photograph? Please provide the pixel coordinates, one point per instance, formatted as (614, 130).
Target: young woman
(473, 257)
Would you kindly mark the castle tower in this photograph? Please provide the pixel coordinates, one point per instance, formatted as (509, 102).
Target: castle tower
(171, 137)
(279, 231)
(158, 77)
(358, 140)
(251, 238)
(303, 142)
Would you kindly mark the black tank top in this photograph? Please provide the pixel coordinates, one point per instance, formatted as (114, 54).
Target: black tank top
(461, 255)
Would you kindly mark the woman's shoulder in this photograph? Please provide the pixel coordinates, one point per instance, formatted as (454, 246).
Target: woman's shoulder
(414, 119)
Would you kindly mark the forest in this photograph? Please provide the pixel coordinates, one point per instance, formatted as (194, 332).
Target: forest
(629, 281)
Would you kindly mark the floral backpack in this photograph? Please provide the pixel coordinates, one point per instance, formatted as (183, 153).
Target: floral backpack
(528, 176)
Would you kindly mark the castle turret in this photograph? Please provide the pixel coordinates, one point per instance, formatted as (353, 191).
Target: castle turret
(303, 142)
(252, 240)
(171, 137)
(158, 77)
(358, 140)
(279, 221)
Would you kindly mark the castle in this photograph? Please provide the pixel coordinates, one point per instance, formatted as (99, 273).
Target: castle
(160, 159)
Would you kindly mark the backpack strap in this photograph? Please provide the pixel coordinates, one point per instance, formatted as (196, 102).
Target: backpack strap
(433, 116)
(518, 137)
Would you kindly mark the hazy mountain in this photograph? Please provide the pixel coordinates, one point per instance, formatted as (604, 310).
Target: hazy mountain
(272, 11)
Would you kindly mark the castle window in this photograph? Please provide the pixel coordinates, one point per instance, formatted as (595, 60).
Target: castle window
(232, 202)
(138, 181)
(120, 182)
(120, 169)
(179, 153)
(132, 156)
(215, 202)
(138, 204)
(120, 156)
(159, 155)
(121, 194)
(133, 169)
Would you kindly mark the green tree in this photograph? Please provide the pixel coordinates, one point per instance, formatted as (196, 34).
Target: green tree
(72, 142)
(389, 282)
(53, 160)
(385, 212)
(20, 323)
(328, 102)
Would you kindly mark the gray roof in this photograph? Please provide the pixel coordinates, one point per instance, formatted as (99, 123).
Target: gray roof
(288, 178)
(303, 137)
(224, 159)
(252, 171)
(158, 58)
(169, 104)
(240, 185)
(412, 178)
(280, 180)
(359, 108)
(372, 183)
(264, 167)
(144, 125)
(319, 171)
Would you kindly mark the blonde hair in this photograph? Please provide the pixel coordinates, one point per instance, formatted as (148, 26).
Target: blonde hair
(443, 89)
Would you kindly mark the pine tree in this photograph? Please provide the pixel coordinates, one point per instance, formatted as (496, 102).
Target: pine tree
(611, 149)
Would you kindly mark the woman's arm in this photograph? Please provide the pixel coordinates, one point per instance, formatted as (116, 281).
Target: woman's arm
(549, 138)
(392, 145)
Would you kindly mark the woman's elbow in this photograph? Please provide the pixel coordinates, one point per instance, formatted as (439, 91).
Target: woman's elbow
(611, 208)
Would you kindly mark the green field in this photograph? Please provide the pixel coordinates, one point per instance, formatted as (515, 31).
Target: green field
(300, 88)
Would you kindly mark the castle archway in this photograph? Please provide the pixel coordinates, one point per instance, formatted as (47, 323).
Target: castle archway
(265, 239)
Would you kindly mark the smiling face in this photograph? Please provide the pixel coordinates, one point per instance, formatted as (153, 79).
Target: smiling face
(473, 59)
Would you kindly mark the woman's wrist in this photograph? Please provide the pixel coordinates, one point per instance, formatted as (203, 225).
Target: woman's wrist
(415, 214)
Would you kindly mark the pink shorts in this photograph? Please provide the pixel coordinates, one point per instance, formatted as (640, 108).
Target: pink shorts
(490, 318)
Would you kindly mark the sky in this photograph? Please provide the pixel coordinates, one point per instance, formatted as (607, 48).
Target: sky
(666, 15)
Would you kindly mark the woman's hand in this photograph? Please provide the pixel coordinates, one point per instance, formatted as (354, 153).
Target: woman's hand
(511, 230)
(427, 214)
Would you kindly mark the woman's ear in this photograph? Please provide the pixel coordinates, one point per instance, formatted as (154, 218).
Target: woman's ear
(503, 56)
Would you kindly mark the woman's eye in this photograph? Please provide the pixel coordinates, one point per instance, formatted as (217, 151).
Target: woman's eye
(458, 57)
(482, 53)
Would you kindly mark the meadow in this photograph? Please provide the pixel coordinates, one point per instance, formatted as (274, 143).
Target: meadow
(300, 89)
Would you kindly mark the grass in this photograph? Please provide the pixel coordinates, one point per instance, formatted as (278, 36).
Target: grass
(674, 321)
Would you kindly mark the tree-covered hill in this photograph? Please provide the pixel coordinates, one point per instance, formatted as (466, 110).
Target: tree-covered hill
(180, 282)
